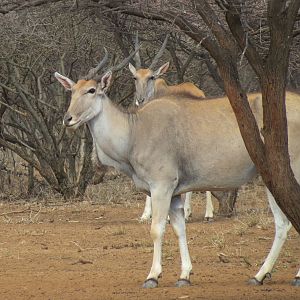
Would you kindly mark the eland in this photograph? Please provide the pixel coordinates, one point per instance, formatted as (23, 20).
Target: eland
(163, 148)
(149, 86)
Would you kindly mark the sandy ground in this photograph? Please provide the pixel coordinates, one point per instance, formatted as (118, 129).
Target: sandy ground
(96, 249)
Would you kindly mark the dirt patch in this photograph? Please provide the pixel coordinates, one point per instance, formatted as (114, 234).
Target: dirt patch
(98, 250)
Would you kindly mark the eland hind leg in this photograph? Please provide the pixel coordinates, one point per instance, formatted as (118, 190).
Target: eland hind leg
(282, 227)
(177, 221)
(187, 205)
(146, 216)
(209, 211)
(161, 199)
(296, 281)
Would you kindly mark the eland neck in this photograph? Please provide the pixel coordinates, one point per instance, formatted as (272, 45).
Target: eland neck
(111, 132)
(160, 89)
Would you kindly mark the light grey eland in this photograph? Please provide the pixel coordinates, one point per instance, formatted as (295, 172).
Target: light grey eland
(162, 148)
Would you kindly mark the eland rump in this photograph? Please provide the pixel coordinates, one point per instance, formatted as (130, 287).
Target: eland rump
(162, 147)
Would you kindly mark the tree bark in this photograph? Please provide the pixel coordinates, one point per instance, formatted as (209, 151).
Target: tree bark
(272, 73)
(30, 184)
(87, 170)
(226, 201)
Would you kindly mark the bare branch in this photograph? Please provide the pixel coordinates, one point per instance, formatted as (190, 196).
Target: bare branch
(13, 109)
(137, 58)
(92, 72)
(159, 53)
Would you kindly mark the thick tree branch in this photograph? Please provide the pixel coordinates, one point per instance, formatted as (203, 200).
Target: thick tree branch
(244, 41)
(211, 20)
(25, 4)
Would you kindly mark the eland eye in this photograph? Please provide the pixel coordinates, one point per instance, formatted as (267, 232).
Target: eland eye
(134, 78)
(91, 91)
(152, 77)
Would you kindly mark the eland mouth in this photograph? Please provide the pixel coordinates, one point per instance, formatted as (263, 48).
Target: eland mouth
(67, 121)
(71, 125)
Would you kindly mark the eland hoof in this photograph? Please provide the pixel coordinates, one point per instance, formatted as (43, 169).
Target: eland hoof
(187, 214)
(208, 219)
(188, 218)
(182, 282)
(254, 281)
(150, 283)
(296, 281)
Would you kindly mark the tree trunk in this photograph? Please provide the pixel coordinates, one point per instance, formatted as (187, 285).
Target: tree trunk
(270, 156)
(226, 201)
(214, 73)
(87, 170)
(283, 184)
(30, 184)
(100, 171)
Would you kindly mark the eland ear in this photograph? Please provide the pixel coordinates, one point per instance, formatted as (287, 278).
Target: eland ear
(65, 81)
(106, 81)
(132, 69)
(162, 70)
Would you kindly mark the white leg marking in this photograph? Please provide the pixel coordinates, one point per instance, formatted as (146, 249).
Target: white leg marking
(146, 216)
(178, 224)
(209, 212)
(187, 205)
(282, 227)
(161, 200)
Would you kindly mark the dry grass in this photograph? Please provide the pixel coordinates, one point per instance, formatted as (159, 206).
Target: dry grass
(251, 208)
(120, 231)
(28, 215)
(217, 240)
(115, 189)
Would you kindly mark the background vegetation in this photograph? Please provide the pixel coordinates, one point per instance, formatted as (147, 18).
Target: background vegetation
(41, 37)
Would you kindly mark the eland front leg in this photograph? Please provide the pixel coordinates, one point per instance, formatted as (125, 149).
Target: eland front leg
(161, 199)
(177, 221)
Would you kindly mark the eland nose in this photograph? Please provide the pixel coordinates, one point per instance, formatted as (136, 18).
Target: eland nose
(139, 101)
(67, 119)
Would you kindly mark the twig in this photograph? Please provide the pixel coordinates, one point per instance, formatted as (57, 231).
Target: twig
(223, 258)
(48, 105)
(82, 261)
(246, 261)
(246, 46)
(80, 249)
(32, 219)
(13, 109)
(15, 212)
(8, 88)
(263, 238)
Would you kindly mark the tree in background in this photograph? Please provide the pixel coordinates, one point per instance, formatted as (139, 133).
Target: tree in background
(32, 105)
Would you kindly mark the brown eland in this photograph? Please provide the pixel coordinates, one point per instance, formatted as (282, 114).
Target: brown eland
(148, 86)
